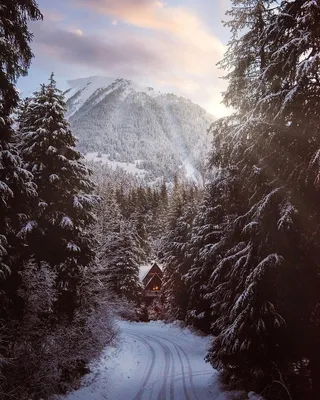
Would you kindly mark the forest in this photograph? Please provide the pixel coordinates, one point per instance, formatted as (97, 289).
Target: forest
(240, 253)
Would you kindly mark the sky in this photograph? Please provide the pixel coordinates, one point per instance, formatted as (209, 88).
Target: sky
(171, 45)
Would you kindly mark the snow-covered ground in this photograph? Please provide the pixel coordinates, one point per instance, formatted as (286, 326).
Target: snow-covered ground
(104, 159)
(154, 361)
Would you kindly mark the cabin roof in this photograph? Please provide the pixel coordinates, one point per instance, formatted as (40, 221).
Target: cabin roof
(146, 269)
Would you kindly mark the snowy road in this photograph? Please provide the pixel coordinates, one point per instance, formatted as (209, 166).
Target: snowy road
(173, 366)
(154, 361)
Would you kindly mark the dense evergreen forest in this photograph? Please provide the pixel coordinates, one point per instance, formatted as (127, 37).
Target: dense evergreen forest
(240, 254)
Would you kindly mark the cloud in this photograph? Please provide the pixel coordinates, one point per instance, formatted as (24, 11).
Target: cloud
(52, 15)
(73, 46)
(188, 48)
(157, 15)
(174, 51)
(78, 32)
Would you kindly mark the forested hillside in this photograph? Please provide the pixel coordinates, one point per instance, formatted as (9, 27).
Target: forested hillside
(129, 122)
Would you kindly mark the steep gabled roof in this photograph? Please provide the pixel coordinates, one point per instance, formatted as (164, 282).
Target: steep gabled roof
(147, 271)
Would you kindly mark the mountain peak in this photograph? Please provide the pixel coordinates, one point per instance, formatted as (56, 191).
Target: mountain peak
(128, 122)
(82, 89)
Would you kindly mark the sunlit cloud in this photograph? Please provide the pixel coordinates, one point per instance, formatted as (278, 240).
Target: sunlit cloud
(170, 47)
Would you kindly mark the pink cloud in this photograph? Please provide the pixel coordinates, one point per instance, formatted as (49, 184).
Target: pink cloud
(184, 35)
(156, 15)
(52, 15)
(178, 54)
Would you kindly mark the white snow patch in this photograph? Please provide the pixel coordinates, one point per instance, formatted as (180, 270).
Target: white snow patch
(73, 247)
(191, 173)
(87, 85)
(66, 222)
(143, 271)
(105, 160)
(85, 88)
(28, 227)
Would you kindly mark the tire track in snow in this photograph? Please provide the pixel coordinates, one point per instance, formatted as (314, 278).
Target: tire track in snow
(168, 358)
(169, 361)
(178, 377)
(183, 376)
(184, 382)
(151, 368)
(191, 374)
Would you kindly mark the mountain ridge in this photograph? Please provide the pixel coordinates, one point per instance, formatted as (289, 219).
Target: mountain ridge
(130, 122)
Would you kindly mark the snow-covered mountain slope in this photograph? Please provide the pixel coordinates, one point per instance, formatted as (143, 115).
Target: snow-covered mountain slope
(129, 122)
(104, 159)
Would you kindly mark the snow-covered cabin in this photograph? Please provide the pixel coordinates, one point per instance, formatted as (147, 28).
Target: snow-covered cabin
(152, 281)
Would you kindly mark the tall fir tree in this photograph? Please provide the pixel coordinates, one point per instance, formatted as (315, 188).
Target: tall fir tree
(59, 236)
(268, 256)
(206, 246)
(16, 185)
(123, 256)
(176, 255)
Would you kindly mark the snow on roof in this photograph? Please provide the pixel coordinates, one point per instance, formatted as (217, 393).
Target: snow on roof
(144, 269)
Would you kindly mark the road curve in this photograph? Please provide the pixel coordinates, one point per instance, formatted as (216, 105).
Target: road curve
(153, 361)
(174, 369)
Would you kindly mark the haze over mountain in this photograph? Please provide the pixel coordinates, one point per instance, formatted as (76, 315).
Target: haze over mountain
(158, 132)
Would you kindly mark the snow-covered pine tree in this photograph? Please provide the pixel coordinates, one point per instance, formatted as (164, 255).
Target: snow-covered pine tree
(176, 257)
(206, 245)
(109, 217)
(138, 207)
(15, 182)
(265, 286)
(108, 224)
(158, 216)
(16, 187)
(123, 256)
(66, 206)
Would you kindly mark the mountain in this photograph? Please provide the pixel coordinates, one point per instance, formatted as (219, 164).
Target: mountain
(160, 133)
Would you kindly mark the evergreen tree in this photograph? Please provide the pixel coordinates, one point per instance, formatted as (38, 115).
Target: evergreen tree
(264, 288)
(123, 257)
(176, 255)
(205, 246)
(64, 188)
(15, 182)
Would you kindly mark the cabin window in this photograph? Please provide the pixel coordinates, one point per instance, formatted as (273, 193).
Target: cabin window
(155, 288)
